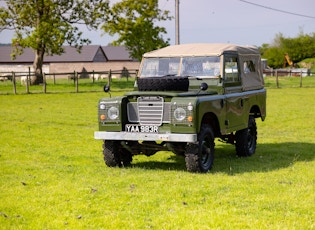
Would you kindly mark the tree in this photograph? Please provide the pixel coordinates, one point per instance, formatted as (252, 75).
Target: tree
(263, 48)
(134, 22)
(275, 57)
(298, 48)
(46, 25)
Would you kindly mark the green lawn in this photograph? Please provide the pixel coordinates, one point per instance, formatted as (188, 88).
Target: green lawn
(52, 175)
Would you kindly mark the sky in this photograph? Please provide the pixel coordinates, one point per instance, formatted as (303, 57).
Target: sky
(250, 22)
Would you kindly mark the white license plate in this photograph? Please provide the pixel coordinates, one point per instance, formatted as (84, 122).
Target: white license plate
(142, 128)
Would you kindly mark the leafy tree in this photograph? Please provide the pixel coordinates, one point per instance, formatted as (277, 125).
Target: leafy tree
(298, 48)
(46, 25)
(134, 22)
(263, 48)
(275, 57)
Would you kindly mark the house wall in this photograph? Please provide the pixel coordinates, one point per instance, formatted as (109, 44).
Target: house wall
(20, 69)
(93, 66)
(6, 69)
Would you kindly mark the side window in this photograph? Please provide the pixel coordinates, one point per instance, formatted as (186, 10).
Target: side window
(231, 70)
(249, 67)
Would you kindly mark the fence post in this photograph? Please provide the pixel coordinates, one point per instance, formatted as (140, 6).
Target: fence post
(28, 78)
(277, 79)
(301, 80)
(93, 76)
(44, 82)
(54, 76)
(14, 82)
(76, 80)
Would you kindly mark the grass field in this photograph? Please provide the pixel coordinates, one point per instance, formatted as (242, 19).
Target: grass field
(52, 175)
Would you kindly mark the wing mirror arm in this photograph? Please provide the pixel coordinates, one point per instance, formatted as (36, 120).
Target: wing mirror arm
(220, 78)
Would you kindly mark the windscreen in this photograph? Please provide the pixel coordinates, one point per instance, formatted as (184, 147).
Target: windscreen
(159, 67)
(185, 66)
(200, 66)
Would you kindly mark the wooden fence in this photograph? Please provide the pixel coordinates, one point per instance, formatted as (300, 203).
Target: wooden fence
(288, 72)
(25, 77)
(303, 72)
(76, 77)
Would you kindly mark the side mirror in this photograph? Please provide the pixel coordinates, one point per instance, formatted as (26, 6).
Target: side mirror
(203, 86)
(106, 88)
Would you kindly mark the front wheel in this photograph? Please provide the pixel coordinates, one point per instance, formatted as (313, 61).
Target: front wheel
(246, 139)
(199, 157)
(115, 156)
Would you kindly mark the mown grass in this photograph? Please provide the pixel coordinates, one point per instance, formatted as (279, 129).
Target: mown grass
(52, 175)
(292, 82)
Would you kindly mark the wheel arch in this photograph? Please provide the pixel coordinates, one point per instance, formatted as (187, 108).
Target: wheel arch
(211, 119)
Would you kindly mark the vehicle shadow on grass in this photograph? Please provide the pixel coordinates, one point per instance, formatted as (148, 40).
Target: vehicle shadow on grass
(268, 157)
(171, 162)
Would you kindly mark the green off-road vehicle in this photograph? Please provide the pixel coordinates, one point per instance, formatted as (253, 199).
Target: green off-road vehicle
(185, 96)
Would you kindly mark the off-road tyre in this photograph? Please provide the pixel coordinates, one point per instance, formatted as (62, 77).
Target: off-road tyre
(199, 157)
(115, 156)
(246, 139)
(163, 84)
(125, 157)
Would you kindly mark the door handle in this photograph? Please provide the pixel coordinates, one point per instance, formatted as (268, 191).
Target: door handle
(222, 103)
(242, 103)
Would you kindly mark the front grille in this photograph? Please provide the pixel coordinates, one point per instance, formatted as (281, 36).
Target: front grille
(150, 110)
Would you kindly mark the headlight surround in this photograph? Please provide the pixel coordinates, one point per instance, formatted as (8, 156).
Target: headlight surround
(182, 113)
(113, 113)
(179, 114)
(109, 112)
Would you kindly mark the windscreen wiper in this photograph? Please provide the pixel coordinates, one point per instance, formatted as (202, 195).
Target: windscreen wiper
(189, 76)
(169, 75)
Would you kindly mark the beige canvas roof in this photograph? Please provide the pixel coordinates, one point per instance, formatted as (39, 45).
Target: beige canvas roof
(202, 49)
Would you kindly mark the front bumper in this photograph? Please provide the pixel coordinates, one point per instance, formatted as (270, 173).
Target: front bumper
(128, 136)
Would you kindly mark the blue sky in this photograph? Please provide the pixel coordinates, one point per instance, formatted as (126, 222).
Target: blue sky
(227, 21)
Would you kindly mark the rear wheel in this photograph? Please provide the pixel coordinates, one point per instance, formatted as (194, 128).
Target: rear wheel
(115, 156)
(246, 139)
(199, 157)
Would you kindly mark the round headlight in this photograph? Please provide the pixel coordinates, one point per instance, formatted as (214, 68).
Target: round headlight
(113, 113)
(180, 114)
(102, 106)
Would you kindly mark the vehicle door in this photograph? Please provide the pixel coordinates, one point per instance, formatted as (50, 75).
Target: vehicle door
(233, 93)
